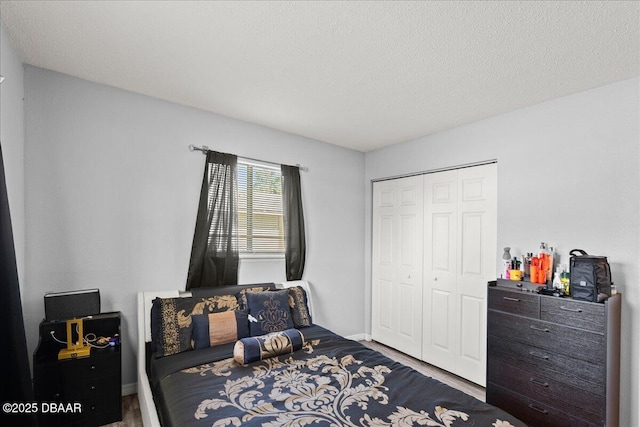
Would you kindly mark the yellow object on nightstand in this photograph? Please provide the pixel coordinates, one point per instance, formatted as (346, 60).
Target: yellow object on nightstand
(76, 349)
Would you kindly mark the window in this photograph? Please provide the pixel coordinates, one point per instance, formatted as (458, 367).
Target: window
(260, 220)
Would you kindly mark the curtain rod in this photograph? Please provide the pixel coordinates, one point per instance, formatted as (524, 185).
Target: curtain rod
(204, 149)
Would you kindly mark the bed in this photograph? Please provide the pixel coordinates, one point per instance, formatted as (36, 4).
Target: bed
(329, 381)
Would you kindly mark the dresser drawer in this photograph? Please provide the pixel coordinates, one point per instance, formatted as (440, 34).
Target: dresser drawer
(80, 388)
(576, 373)
(515, 302)
(547, 390)
(571, 342)
(531, 411)
(589, 316)
(99, 365)
(95, 412)
(93, 376)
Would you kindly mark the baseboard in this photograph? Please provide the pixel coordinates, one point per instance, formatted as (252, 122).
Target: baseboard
(357, 337)
(128, 389)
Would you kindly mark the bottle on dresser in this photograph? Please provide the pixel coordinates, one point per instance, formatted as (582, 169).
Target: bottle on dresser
(545, 264)
(506, 262)
(552, 257)
(564, 277)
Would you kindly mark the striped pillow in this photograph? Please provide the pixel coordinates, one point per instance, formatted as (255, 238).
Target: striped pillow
(219, 328)
(251, 349)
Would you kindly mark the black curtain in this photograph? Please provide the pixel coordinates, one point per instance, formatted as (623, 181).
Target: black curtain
(294, 239)
(214, 254)
(16, 376)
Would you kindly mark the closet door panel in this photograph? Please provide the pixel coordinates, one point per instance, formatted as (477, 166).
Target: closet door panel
(409, 282)
(471, 243)
(439, 341)
(459, 259)
(385, 293)
(383, 270)
(397, 264)
(385, 231)
(442, 227)
(440, 332)
(407, 326)
(471, 339)
(477, 228)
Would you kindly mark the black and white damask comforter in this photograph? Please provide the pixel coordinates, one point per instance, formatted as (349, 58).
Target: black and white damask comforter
(332, 381)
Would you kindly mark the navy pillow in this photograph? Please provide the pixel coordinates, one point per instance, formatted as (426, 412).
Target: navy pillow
(299, 306)
(219, 328)
(171, 326)
(251, 349)
(270, 312)
(242, 295)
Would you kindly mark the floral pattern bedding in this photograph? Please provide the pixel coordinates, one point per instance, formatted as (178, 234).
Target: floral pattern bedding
(331, 381)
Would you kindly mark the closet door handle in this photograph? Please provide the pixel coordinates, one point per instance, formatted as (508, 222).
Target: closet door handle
(535, 328)
(511, 299)
(575, 310)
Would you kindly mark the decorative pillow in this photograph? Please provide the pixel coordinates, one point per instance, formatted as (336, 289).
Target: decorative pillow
(270, 312)
(171, 326)
(242, 295)
(299, 306)
(250, 349)
(219, 328)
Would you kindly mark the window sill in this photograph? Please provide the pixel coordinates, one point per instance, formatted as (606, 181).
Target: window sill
(261, 257)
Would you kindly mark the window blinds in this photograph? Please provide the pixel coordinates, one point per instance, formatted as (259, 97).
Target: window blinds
(260, 219)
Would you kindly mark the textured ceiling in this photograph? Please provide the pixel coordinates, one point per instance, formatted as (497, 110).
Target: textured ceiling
(358, 74)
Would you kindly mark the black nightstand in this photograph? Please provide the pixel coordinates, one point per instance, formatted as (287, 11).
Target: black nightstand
(85, 391)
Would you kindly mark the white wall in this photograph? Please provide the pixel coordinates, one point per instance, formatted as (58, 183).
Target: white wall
(112, 193)
(12, 139)
(568, 174)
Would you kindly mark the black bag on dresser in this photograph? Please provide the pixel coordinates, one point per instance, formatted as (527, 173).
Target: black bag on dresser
(589, 276)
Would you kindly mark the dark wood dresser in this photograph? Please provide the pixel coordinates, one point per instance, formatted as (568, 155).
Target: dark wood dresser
(84, 391)
(553, 361)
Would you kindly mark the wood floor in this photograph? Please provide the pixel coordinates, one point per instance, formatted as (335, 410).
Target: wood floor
(131, 409)
(429, 370)
(130, 412)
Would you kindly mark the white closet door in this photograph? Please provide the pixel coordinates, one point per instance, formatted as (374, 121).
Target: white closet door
(460, 257)
(439, 343)
(477, 234)
(397, 264)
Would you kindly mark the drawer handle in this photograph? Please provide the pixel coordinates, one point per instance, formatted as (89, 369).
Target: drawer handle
(93, 388)
(535, 408)
(511, 299)
(575, 310)
(535, 328)
(539, 356)
(539, 382)
(93, 367)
